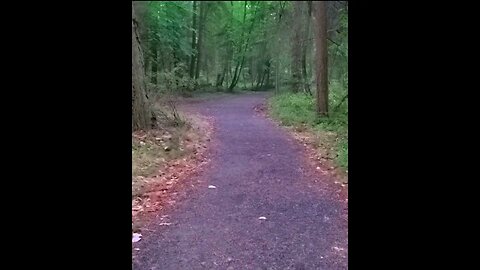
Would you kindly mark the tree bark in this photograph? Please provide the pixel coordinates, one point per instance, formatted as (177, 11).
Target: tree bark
(154, 63)
(194, 40)
(201, 28)
(268, 73)
(297, 45)
(141, 113)
(305, 42)
(321, 56)
(236, 74)
(239, 66)
(276, 75)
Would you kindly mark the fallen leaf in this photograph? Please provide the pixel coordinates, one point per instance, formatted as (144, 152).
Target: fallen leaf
(136, 237)
(338, 249)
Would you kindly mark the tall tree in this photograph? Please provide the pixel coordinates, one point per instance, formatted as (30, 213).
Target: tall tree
(194, 40)
(305, 42)
(243, 47)
(141, 113)
(201, 32)
(321, 56)
(296, 46)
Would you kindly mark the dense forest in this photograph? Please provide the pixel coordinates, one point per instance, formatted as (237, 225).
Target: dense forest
(240, 111)
(180, 47)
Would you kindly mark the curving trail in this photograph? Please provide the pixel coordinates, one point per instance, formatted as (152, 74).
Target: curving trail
(258, 170)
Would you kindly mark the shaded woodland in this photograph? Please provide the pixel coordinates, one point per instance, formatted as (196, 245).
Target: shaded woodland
(183, 47)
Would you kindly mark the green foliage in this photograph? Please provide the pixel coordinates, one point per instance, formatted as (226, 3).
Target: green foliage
(342, 158)
(338, 52)
(297, 109)
(167, 26)
(294, 109)
(250, 43)
(177, 80)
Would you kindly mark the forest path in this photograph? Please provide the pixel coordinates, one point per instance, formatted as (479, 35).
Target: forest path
(258, 171)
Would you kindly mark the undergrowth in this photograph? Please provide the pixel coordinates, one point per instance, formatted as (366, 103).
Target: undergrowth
(298, 110)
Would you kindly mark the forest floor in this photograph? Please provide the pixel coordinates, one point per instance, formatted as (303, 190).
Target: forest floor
(248, 196)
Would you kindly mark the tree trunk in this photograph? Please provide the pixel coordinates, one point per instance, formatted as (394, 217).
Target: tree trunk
(321, 58)
(239, 68)
(154, 63)
(297, 45)
(268, 65)
(305, 42)
(201, 26)
(141, 113)
(194, 40)
(233, 83)
(276, 75)
(240, 49)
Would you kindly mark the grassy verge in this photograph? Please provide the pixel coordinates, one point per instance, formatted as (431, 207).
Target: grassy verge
(329, 135)
(154, 151)
(162, 161)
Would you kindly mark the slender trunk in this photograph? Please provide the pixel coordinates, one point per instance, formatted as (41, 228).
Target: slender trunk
(259, 81)
(245, 46)
(277, 62)
(236, 74)
(221, 77)
(201, 29)
(297, 45)
(252, 76)
(268, 76)
(194, 39)
(234, 79)
(141, 113)
(206, 73)
(153, 76)
(263, 79)
(276, 75)
(305, 41)
(321, 57)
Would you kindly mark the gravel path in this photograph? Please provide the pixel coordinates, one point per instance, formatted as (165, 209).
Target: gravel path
(258, 171)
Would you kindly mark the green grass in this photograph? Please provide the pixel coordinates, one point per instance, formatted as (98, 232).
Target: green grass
(299, 110)
(292, 109)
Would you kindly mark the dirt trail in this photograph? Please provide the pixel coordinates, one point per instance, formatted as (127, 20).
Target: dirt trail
(258, 171)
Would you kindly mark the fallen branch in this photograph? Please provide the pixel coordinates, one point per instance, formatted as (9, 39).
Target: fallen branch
(333, 41)
(340, 103)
